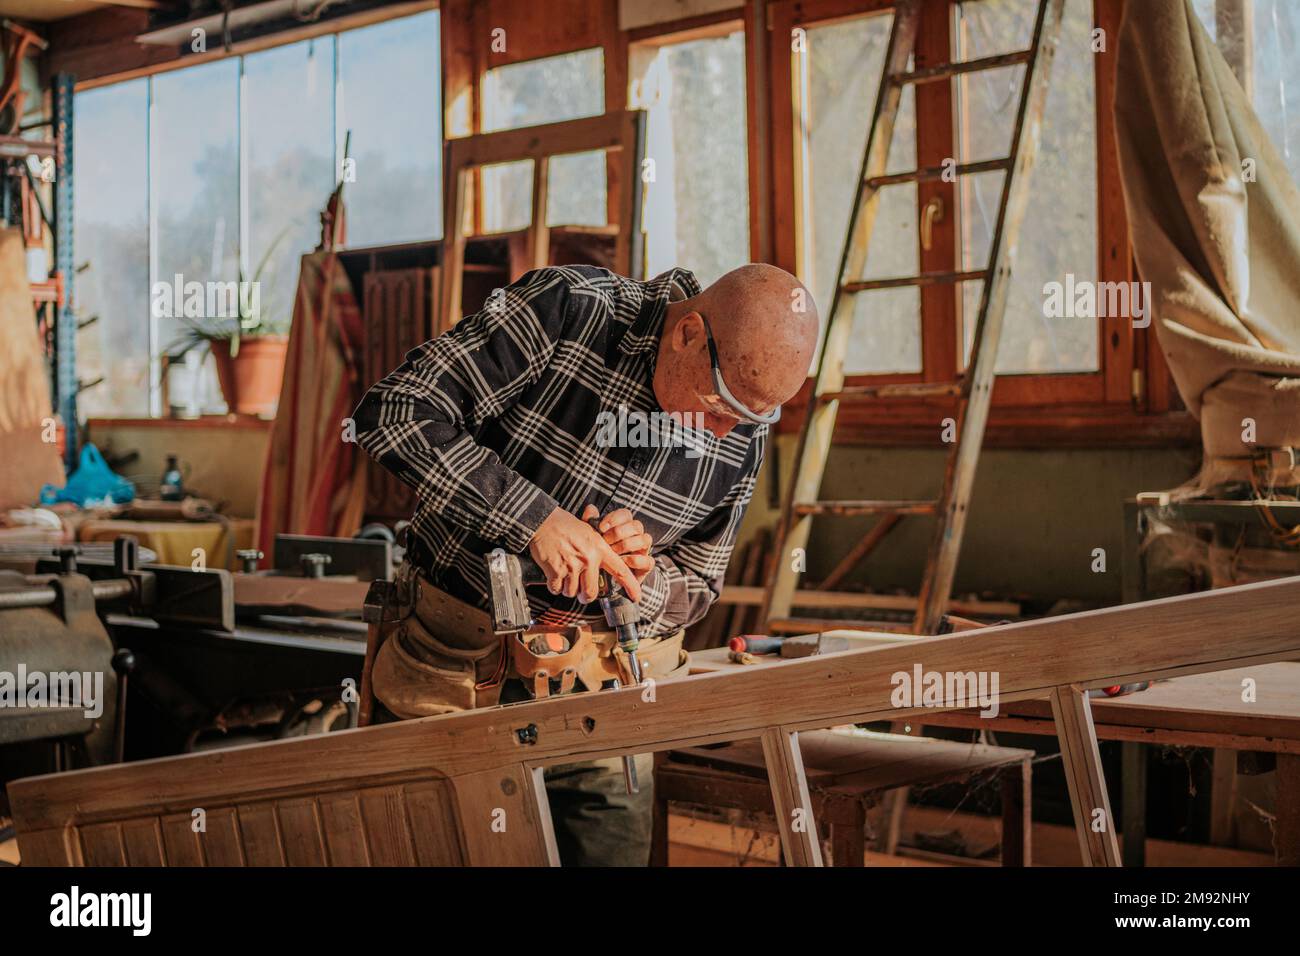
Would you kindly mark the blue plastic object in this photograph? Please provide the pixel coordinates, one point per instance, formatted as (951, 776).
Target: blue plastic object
(92, 483)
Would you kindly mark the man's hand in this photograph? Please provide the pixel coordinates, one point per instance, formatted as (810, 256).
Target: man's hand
(627, 537)
(571, 555)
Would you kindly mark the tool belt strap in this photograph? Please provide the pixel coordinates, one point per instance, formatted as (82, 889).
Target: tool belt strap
(444, 657)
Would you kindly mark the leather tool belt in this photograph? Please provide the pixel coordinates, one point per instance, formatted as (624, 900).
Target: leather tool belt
(441, 656)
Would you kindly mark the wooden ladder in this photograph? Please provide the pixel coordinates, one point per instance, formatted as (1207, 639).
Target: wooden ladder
(973, 390)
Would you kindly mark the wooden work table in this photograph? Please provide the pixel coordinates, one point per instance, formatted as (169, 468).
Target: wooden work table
(1203, 710)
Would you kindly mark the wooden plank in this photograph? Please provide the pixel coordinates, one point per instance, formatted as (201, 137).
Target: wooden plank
(221, 842)
(180, 841)
(1250, 624)
(143, 842)
(539, 235)
(500, 814)
(102, 845)
(259, 834)
(794, 813)
(300, 832)
(388, 834)
(345, 836)
(60, 847)
(432, 815)
(1093, 821)
(1017, 791)
(1286, 839)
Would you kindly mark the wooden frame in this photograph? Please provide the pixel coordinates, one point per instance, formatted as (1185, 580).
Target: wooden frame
(466, 788)
(623, 132)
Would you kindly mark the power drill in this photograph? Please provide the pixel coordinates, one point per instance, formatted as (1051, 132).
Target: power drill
(621, 615)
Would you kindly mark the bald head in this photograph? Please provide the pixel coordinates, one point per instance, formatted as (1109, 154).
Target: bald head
(764, 323)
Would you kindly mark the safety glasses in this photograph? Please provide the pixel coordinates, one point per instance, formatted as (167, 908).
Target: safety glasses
(722, 402)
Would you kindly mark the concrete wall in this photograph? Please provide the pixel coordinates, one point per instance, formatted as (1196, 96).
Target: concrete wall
(1035, 518)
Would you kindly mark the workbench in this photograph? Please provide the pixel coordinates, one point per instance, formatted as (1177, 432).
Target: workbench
(1203, 710)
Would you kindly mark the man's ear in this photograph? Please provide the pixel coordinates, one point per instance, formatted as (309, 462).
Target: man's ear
(688, 332)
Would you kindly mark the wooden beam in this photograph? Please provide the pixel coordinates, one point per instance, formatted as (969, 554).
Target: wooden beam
(794, 815)
(1094, 824)
(1249, 624)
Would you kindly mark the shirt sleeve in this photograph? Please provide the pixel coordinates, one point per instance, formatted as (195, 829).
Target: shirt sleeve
(418, 420)
(687, 577)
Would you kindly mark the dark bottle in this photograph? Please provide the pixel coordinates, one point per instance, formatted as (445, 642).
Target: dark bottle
(170, 487)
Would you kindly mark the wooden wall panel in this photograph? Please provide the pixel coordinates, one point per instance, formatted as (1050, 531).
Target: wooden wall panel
(102, 845)
(341, 818)
(220, 842)
(410, 824)
(181, 845)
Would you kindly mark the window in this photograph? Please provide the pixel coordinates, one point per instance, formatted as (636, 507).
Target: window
(547, 90)
(194, 167)
(1259, 40)
(697, 203)
(390, 97)
(111, 226)
(837, 76)
(1058, 235)
(289, 156)
(220, 170)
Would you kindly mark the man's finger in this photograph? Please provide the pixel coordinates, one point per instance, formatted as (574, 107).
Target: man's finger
(573, 579)
(633, 545)
(619, 570)
(614, 519)
(639, 563)
(626, 530)
(591, 576)
(589, 512)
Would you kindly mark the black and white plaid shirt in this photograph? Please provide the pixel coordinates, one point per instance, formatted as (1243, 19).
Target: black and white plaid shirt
(498, 421)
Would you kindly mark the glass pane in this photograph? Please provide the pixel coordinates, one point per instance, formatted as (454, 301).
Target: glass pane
(289, 119)
(1058, 235)
(697, 206)
(549, 90)
(194, 141)
(390, 98)
(841, 72)
(1271, 47)
(110, 222)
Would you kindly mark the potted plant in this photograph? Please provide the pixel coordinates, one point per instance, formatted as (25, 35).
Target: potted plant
(248, 348)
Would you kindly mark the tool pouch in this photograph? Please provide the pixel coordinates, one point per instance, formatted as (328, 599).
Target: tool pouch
(443, 657)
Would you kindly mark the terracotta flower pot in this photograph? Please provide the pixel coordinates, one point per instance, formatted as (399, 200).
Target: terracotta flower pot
(250, 382)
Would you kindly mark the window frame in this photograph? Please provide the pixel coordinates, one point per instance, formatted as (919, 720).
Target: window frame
(1128, 400)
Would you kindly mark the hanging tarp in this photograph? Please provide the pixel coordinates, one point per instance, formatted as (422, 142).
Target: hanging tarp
(1215, 221)
(314, 481)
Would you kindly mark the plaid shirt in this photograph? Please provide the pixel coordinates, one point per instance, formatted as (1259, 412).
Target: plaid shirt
(497, 422)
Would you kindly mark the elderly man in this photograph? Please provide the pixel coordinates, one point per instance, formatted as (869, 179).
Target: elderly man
(501, 427)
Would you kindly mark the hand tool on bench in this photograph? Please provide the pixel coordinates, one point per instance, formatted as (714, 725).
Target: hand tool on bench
(802, 645)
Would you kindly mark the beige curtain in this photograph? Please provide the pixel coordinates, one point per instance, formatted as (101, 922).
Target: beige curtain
(1215, 221)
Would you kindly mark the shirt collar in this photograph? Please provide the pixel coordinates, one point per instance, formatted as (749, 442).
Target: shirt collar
(642, 337)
